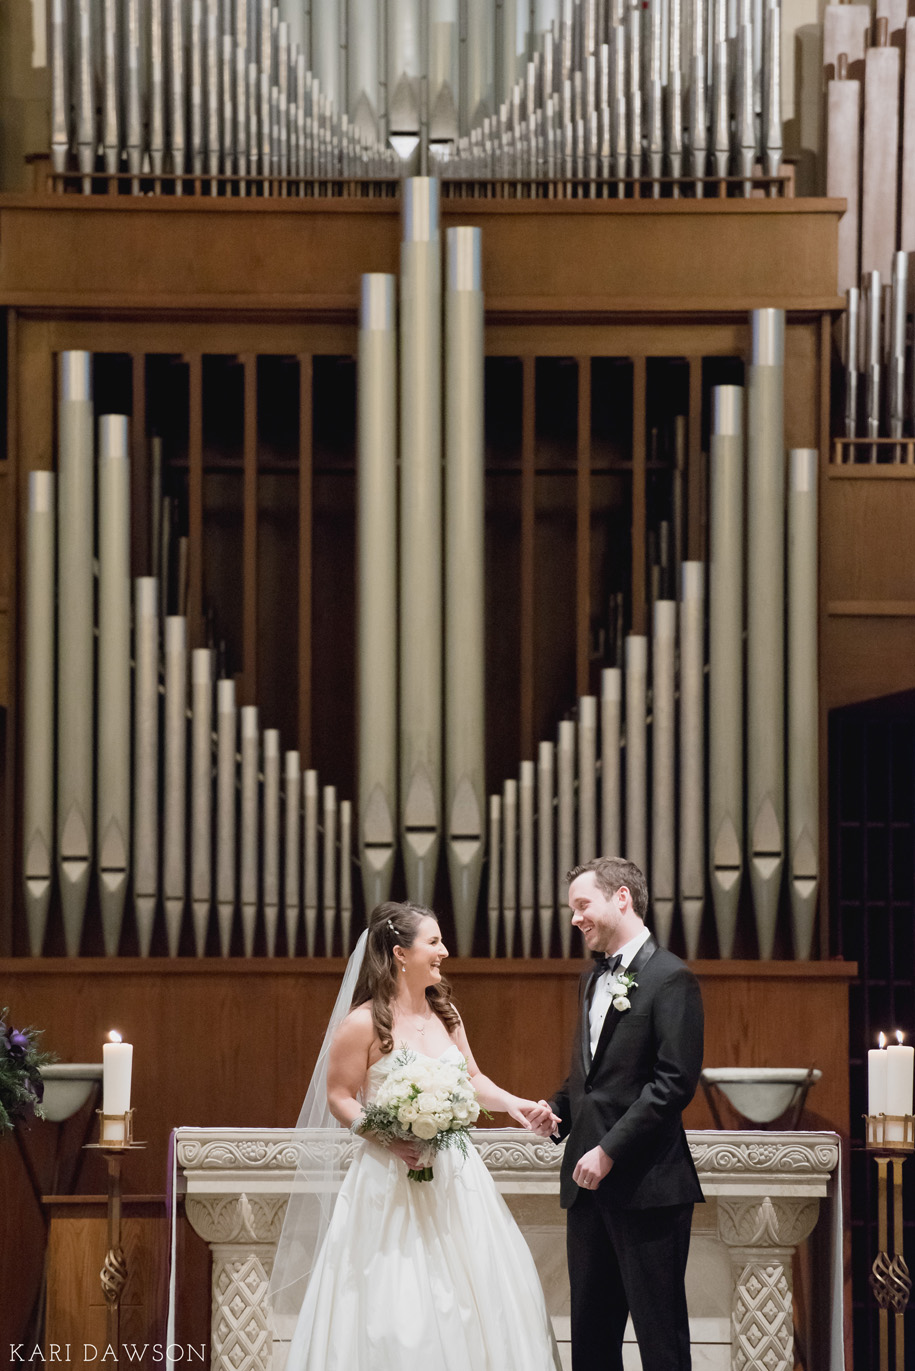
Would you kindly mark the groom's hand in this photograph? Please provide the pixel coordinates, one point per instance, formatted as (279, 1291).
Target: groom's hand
(592, 1168)
(537, 1116)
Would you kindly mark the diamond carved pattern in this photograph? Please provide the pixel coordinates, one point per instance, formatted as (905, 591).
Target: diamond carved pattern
(762, 1328)
(241, 1336)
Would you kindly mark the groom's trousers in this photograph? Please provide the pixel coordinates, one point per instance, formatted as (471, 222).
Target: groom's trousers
(630, 1261)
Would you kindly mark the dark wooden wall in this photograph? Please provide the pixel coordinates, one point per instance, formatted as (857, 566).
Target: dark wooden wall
(234, 1043)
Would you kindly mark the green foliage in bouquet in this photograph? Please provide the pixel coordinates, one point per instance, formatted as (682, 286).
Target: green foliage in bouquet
(21, 1086)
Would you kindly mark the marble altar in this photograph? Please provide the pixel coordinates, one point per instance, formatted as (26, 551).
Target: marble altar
(764, 1195)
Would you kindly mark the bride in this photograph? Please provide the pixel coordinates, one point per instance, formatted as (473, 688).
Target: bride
(406, 1271)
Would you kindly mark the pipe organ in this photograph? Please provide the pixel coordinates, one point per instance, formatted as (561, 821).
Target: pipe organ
(210, 829)
(566, 97)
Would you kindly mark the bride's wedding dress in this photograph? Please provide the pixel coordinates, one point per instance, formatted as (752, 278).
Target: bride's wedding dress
(433, 1273)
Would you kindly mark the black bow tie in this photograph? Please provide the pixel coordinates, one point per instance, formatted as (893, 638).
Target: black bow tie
(610, 964)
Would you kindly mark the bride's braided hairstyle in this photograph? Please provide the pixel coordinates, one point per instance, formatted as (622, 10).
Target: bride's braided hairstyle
(395, 925)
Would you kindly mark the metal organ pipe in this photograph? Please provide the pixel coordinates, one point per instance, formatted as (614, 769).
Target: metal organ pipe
(527, 785)
(175, 807)
(226, 734)
(201, 794)
(510, 863)
(113, 773)
(310, 857)
(726, 712)
(692, 748)
(803, 722)
(250, 784)
(611, 709)
(291, 851)
(587, 778)
(565, 823)
(546, 790)
(38, 708)
(271, 837)
(465, 705)
(636, 839)
(329, 901)
(75, 640)
(146, 758)
(765, 619)
(663, 769)
(377, 573)
(420, 538)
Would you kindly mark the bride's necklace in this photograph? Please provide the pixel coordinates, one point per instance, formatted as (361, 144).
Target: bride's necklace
(420, 1022)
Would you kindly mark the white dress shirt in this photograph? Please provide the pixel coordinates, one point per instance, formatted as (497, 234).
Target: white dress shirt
(601, 998)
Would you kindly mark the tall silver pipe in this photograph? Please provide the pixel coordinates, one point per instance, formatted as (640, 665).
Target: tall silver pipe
(146, 758)
(310, 857)
(843, 167)
(226, 735)
(692, 752)
(133, 111)
(726, 772)
(240, 87)
(38, 708)
(214, 60)
(86, 132)
(271, 837)
(156, 86)
(363, 65)
(772, 95)
(404, 64)
(765, 619)
(326, 48)
(250, 788)
(565, 823)
(201, 794)
(465, 654)
(510, 863)
(494, 885)
(177, 89)
(75, 640)
(345, 901)
(197, 84)
(527, 784)
(377, 572)
(420, 537)
(636, 842)
(852, 365)
(873, 358)
(111, 86)
(479, 66)
(663, 769)
(546, 872)
(113, 776)
(60, 86)
(611, 711)
(803, 721)
(174, 873)
(897, 351)
(587, 778)
(329, 885)
(291, 850)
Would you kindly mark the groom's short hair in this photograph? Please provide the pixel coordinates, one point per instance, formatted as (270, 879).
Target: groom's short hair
(612, 872)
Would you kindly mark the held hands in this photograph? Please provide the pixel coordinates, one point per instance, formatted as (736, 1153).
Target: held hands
(410, 1153)
(535, 1115)
(592, 1168)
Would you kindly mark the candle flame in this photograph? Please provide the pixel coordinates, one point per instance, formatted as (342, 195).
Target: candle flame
(115, 1037)
(899, 1036)
(882, 1040)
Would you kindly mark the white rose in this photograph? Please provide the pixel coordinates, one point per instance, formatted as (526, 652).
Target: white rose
(461, 1111)
(621, 1002)
(426, 1103)
(474, 1111)
(425, 1127)
(406, 1113)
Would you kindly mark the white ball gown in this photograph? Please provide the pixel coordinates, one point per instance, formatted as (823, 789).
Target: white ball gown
(433, 1273)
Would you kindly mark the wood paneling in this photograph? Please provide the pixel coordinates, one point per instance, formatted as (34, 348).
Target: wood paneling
(698, 255)
(223, 1044)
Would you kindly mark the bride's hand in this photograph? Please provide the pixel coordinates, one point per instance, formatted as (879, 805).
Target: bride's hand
(410, 1153)
(535, 1115)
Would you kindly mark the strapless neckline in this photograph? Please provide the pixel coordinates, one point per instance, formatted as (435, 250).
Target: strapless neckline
(388, 1056)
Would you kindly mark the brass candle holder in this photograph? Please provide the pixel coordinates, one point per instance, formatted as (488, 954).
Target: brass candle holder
(113, 1274)
(889, 1279)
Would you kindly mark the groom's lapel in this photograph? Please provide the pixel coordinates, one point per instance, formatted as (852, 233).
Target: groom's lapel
(587, 992)
(641, 959)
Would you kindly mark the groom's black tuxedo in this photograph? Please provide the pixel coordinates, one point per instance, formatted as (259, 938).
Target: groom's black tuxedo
(629, 1101)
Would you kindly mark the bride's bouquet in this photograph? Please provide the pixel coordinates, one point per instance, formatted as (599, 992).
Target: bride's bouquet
(433, 1101)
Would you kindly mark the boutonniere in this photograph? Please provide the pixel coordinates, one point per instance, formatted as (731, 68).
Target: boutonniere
(620, 987)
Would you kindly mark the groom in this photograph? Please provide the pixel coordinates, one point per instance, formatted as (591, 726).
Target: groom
(628, 1182)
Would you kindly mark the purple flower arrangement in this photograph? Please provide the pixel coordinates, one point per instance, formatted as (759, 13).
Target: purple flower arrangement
(21, 1086)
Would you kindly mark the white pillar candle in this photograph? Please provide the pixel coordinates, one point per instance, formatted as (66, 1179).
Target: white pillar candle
(876, 1078)
(117, 1061)
(899, 1078)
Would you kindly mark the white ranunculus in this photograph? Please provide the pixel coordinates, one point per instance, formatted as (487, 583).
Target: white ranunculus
(425, 1127)
(407, 1112)
(621, 1002)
